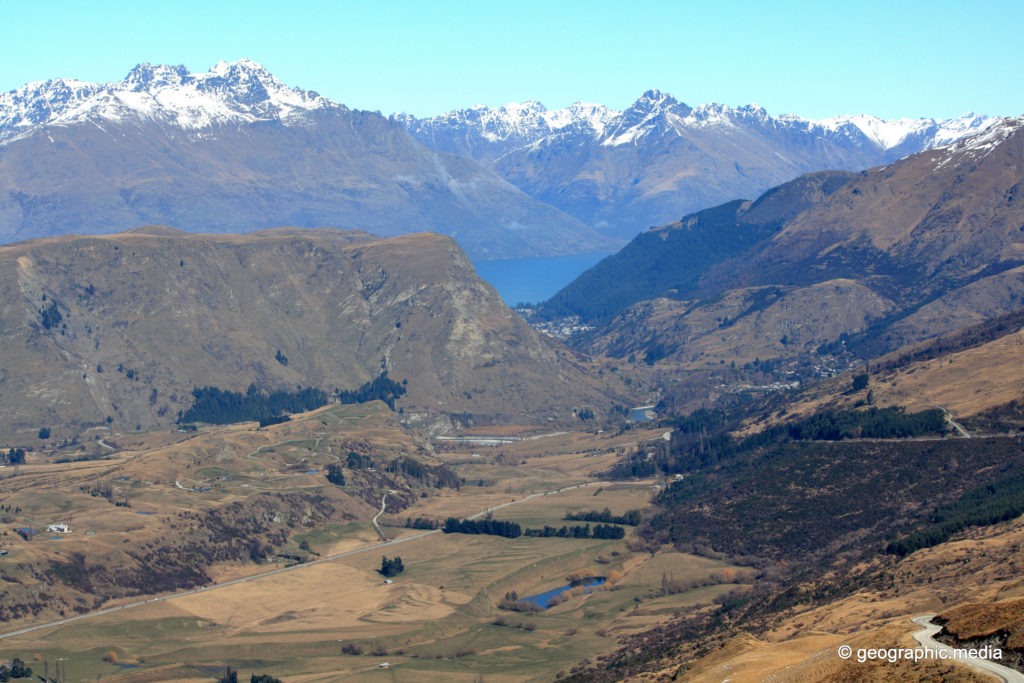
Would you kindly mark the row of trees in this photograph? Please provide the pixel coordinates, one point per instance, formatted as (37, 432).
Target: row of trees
(491, 527)
(603, 531)
(14, 456)
(630, 517)
(421, 523)
(494, 527)
(231, 676)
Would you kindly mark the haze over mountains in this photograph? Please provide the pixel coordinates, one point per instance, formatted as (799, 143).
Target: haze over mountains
(236, 150)
(659, 159)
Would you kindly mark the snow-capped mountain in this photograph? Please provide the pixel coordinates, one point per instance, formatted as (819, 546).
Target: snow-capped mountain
(623, 171)
(484, 134)
(236, 150)
(235, 92)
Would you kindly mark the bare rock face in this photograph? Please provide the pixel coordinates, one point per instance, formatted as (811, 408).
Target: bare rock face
(125, 326)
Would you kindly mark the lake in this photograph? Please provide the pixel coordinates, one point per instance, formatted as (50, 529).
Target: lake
(534, 279)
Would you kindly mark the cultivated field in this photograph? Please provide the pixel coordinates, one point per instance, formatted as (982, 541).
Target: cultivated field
(439, 620)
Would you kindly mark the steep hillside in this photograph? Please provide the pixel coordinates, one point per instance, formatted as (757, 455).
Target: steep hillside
(659, 159)
(122, 328)
(234, 150)
(895, 255)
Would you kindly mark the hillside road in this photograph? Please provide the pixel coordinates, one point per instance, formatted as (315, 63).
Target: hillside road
(925, 638)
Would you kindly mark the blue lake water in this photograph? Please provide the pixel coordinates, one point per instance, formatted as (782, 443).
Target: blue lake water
(542, 599)
(534, 279)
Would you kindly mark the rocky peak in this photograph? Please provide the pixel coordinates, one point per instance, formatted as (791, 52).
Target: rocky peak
(231, 91)
(653, 101)
(146, 76)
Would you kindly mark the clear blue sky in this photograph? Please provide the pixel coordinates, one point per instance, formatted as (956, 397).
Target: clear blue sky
(816, 59)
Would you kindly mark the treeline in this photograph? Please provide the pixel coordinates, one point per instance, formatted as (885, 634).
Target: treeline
(495, 527)
(601, 531)
(1006, 417)
(986, 505)
(873, 423)
(490, 527)
(216, 406)
(809, 500)
(629, 518)
(383, 388)
(703, 439)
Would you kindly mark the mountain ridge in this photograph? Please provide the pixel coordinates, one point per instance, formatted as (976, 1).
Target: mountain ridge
(846, 262)
(518, 180)
(235, 150)
(659, 159)
(126, 326)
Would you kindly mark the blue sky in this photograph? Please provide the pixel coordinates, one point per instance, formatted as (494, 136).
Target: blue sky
(817, 59)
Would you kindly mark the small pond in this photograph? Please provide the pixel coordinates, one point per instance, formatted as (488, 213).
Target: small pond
(542, 599)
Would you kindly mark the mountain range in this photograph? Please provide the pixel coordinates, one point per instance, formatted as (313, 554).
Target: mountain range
(865, 261)
(236, 150)
(659, 159)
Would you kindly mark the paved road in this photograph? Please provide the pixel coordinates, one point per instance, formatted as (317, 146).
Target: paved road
(254, 577)
(924, 637)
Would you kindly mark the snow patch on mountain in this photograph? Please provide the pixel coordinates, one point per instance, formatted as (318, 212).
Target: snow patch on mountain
(527, 124)
(242, 91)
(978, 146)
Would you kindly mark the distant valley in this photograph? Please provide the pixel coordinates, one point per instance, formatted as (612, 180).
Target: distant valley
(261, 415)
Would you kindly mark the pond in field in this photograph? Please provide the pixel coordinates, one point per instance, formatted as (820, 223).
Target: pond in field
(542, 599)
